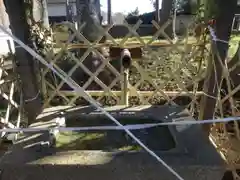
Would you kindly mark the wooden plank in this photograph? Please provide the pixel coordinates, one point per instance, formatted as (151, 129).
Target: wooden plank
(133, 93)
(60, 1)
(129, 45)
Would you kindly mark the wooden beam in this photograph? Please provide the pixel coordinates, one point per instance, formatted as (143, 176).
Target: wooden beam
(132, 93)
(40, 12)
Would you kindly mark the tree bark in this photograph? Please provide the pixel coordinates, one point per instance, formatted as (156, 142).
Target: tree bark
(224, 18)
(23, 60)
(40, 12)
(89, 12)
(165, 13)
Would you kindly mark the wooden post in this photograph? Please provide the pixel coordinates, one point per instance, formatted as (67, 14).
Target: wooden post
(109, 6)
(125, 87)
(157, 12)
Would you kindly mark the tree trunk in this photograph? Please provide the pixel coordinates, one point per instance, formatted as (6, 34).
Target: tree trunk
(157, 15)
(165, 14)
(23, 60)
(224, 18)
(40, 12)
(89, 12)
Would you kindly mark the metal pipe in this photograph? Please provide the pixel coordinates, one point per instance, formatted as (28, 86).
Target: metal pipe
(126, 58)
(126, 61)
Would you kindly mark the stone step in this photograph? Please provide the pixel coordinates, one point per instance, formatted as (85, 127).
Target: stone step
(192, 155)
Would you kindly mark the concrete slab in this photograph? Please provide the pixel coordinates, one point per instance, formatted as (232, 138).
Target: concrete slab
(192, 155)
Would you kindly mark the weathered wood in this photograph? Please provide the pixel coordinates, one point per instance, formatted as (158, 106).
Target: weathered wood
(133, 45)
(40, 13)
(136, 52)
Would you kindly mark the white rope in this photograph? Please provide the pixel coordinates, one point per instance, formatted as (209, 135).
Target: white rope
(174, 21)
(214, 37)
(81, 91)
(129, 127)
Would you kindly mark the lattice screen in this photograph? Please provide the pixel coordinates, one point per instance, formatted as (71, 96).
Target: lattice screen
(165, 71)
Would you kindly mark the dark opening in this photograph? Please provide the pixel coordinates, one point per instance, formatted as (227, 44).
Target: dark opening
(157, 138)
(228, 175)
(126, 61)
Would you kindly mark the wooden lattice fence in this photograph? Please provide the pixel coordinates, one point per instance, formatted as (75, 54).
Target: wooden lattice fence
(162, 71)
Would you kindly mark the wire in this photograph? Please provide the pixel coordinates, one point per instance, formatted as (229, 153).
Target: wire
(129, 127)
(214, 37)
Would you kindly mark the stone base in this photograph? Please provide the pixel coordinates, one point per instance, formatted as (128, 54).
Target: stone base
(193, 156)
